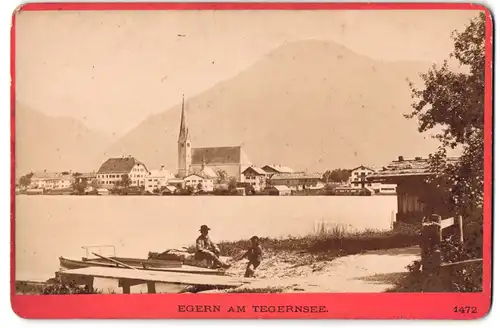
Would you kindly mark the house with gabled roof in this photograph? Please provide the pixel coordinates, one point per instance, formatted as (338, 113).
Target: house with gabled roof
(157, 179)
(358, 178)
(271, 169)
(51, 180)
(113, 170)
(296, 181)
(256, 177)
(415, 197)
(203, 179)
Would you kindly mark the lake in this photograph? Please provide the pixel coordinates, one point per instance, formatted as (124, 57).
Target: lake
(51, 226)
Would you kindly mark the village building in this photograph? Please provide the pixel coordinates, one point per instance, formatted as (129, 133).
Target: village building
(280, 190)
(85, 177)
(256, 177)
(231, 160)
(296, 181)
(51, 181)
(415, 198)
(272, 169)
(177, 183)
(201, 180)
(359, 180)
(112, 171)
(157, 179)
(168, 190)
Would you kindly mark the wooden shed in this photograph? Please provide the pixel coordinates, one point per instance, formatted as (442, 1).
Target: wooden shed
(416, 198)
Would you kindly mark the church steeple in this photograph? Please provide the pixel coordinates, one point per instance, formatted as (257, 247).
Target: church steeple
(184, 130)
(183, 146)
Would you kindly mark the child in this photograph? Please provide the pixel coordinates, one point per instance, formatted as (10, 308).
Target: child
(254, 255)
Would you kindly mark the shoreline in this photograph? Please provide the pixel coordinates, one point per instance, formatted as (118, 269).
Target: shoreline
(289, 263)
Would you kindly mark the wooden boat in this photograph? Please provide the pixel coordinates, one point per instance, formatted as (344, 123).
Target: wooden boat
(138, 264)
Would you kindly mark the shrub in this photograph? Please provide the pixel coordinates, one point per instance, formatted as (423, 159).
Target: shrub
(466, 278)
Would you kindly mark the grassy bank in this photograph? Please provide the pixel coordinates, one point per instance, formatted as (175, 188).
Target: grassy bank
(50, 288)
(331, 242)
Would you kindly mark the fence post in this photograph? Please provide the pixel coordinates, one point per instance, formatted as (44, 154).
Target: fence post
(461, 229)
(431, 252)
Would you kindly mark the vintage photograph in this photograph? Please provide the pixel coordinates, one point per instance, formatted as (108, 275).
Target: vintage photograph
(249, 151)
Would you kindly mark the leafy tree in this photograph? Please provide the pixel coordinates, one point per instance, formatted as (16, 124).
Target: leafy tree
(336, 175)
(79, 186)
(125, 182)
(221, 176)
(233, 184)
(454, 102)
(25, 180)
(94, 184)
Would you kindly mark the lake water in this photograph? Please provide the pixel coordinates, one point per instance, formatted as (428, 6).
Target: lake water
(51, 226)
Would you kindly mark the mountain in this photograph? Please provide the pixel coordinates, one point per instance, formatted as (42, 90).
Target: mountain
(55, 144)
(309, 105)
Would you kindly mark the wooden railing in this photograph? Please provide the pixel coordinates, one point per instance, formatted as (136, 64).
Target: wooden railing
(438, 275)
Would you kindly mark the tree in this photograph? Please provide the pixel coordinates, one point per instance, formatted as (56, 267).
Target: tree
(125, 182)
(221, 176)
(233, 184)
(336, 175)
(25, 180)
(79, 186)
(199, 186)
(94, 184)
(454, 102)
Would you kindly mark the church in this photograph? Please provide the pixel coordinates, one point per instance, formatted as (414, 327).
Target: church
(232, 160)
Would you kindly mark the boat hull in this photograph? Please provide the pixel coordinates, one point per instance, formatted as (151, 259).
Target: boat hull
(76, 264)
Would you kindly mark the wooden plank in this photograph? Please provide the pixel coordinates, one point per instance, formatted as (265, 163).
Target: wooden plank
(155, 276)
(447, 223)
(115, 261)
(462, 262)
(139, 262)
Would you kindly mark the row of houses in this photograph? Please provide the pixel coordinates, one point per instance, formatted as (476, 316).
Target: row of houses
(113, 170)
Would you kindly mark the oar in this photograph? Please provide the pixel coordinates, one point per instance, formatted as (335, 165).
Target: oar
(115, 261)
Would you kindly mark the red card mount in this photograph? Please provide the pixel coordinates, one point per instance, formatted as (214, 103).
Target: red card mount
(428, 305)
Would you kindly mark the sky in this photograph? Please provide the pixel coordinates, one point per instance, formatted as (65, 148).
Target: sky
(113, 69)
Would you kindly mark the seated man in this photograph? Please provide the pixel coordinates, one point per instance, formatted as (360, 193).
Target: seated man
(207, 250)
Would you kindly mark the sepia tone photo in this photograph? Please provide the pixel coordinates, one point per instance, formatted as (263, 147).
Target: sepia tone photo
(249, 151)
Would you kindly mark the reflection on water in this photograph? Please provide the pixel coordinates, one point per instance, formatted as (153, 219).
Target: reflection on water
(51, 226)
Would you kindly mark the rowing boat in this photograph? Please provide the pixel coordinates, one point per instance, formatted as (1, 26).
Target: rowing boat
(139, 264)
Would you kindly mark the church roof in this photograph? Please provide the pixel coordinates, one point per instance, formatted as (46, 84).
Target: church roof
(119, 165)
(216, 155)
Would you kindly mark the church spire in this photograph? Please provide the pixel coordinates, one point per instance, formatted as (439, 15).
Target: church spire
(184, 130)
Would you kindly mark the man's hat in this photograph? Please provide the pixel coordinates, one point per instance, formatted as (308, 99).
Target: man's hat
(204, 227)
(254, 238)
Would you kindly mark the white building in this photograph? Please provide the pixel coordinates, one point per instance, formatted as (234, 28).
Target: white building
(256, 177)
(112, 171)
(359, 175)
(49, 181)
(157, 179)
(358, 179)
(201, 180)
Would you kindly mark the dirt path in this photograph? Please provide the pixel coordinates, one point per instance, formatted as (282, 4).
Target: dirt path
(371, 272)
